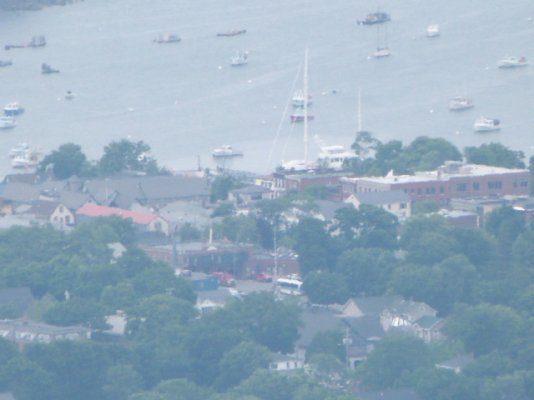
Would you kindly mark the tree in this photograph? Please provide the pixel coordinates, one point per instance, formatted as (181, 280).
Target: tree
(313, 246)
(66, 161)
(265, 320)
(181, 389)
(121, 381)
(365, 271)
(323, 287)
(220, 187)
(393, 360)
(240, 229)
(76, 311)
(441, 384)
(495, 154)
(327, 342)
(240, 362)
(125, 155)
(27, 380)
(268, 385)
(505, 224)
(483, 328)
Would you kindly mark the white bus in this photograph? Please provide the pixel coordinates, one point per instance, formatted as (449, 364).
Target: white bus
(289, 286)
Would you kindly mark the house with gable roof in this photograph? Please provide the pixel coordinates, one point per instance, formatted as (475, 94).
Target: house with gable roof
(396, 202)
(145, 222)
(52, 212)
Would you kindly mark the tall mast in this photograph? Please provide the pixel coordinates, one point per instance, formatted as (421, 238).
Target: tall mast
(359, 110)
(305, 90)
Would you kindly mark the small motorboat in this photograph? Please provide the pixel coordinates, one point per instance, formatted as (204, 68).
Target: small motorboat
(459, 103)
(299, 117)
(512, 62)
(13, 108)
(69, 95)
(232, 32)
(5, 63)
(168, 38)
(37, 41)
(484, 124)
(7, 122)
(239, 59)
(381, 52)
(226, 151)
(432, 31)
(375, 18)
(47, 69)
(298, 99)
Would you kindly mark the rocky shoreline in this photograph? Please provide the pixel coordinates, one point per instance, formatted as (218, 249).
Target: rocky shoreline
(12, 5)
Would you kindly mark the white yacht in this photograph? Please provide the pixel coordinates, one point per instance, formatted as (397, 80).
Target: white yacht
(298, 99)
(459, 103)
(19, 150)
(7, 122)
(432, 31)
(226, 151)
(484, 124)
(13, 108)
(240, 58)
(512, 62)
(334, 157)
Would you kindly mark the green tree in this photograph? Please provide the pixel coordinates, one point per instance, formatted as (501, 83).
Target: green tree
(27, 380)
(126, 155)
(324, 287)
(495, 154)
(66, 161)
(441, 384)
(483, 328)
(221, 186)
(313, 245)
(76, 311)
(505, 224)
(181, 389)
(393, 360)
(327, 342)
(240, 362)
(366, 271)
(121, 381)
(268, 385)
(240, 229)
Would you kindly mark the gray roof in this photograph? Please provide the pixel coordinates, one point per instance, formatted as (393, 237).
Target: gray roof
(379, 198)
(19, 298)
(42, 208)
(20, 193)
(40, 328)
(147, 189)
(428, 321)
(50, 190)
(316, 321)
(366, 327)
(329, 208)
(250, 189)
(221, 295)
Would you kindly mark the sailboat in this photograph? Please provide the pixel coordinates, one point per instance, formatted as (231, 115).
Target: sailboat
(305, 164)
(303, 101)
(381, 51)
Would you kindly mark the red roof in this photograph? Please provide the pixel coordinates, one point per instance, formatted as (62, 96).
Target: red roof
(93, 210)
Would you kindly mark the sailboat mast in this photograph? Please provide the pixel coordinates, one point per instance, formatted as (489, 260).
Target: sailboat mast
(359, 110)
(305, 90)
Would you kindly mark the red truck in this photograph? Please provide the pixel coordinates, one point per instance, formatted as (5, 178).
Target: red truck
(224, 278)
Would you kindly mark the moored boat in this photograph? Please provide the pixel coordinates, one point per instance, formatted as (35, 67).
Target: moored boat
(168, 38)
(299, 117)
(7, 122)
(69, 95)
(240, 58)
(13, 108)
(334, 157)
(30, 159)
(47, 69)
(484, 124)
(19, 150)
(5, 63)
(432, 31)
(298, 99)
(512, 62)
(375, 18)
(37, 41)
(226, 151)
(232, 32)
(459, 103)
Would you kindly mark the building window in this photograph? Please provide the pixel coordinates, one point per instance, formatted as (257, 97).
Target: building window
(524, 184)
(515, 184)
(461, 187)
(476, 186)
(495, 185)
(441, 189)
(402, 206)
(419, 191)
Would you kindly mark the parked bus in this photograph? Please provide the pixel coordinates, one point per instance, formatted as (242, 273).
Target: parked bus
(291, 286)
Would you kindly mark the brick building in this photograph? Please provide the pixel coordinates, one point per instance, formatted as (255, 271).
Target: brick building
(452, 180)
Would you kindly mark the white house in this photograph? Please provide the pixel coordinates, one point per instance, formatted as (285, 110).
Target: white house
(396, 202)
(285, 362)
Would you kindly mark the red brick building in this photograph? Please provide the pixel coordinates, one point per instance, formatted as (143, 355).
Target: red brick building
(453, 180)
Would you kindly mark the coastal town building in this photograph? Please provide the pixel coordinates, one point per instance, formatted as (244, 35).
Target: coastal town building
(450, 181)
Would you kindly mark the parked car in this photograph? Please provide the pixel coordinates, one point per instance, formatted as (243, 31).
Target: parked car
(263, 277)
(224, 278)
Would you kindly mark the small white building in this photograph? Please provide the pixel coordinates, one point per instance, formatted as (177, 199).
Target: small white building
(285, 362)
(396, 202)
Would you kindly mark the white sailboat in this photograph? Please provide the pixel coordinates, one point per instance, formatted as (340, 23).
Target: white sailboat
(381, 51)
(304, 164)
